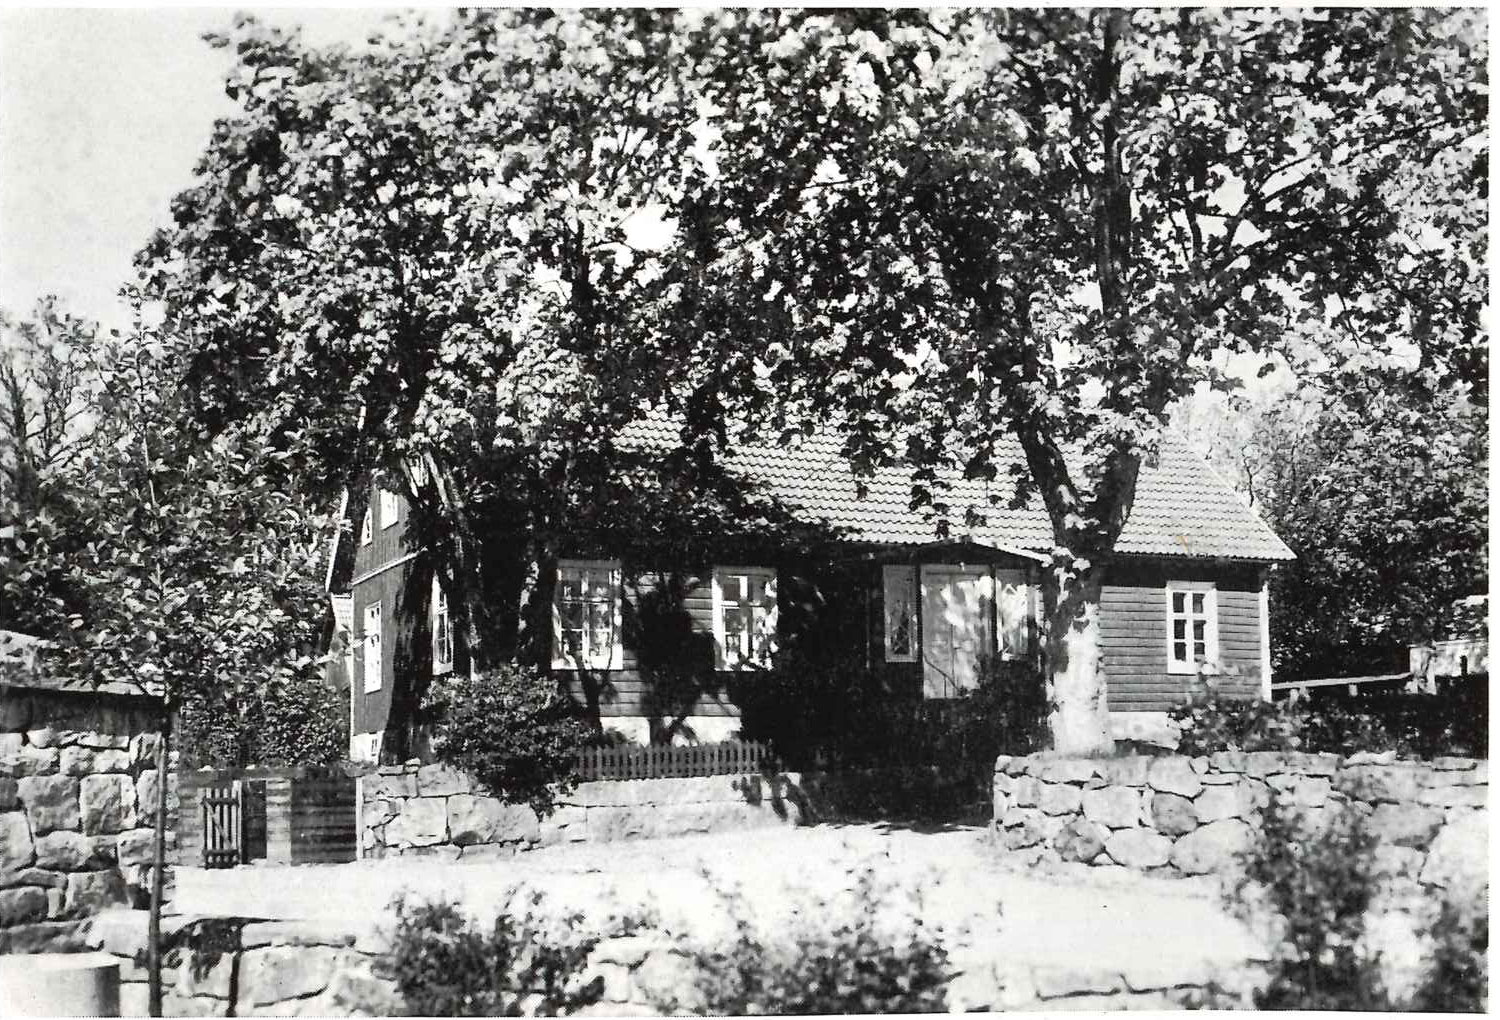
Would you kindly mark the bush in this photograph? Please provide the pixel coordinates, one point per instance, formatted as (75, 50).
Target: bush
(1412, 725)
(300, 721)
(830, 963)
(1317, 883)
(1457, 977)
(443, 964)
(513, 730)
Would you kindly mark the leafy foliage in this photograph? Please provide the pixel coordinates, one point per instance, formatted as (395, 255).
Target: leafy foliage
(527, 964)
(512, 729)
(847, 955)
(1457, 979)
(1413, 725)
(1317, 882)
(303, 722)
(950, 228)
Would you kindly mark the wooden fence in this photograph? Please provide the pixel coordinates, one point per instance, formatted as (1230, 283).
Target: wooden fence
(279, 815)
(223, 821)
(662, 761)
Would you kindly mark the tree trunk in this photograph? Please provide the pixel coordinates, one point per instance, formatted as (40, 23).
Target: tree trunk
(1077, 701)
(158, 862)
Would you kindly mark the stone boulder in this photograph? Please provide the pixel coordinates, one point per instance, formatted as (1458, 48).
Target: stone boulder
(1080, 840)
(275, 974)
(1127, 770)
(16, 848)
(22, 906)
(108, 804)
(473, 819)
(1458, 859)
(441, 781)
(423, 821)
(1060, 799)
(1174, 774)
(136, 846)
(1139, 848)
(1065, 770)
(89, 892)
(51, 802)
(1118, 807)
(1405, 824)
(70, 851)
(1173, 814)
(1240, 800)
(1210, 848)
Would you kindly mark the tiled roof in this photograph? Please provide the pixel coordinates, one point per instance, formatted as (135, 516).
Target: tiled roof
(1182, 507)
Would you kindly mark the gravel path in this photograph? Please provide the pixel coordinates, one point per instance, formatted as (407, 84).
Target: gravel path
(1072, 916)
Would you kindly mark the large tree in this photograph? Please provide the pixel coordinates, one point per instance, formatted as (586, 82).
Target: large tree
(938, 229)
(429, 251)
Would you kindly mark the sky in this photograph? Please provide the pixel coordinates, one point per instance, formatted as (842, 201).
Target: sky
(103, 113)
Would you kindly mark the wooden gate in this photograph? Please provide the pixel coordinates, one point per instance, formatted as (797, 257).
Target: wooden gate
(223, 825)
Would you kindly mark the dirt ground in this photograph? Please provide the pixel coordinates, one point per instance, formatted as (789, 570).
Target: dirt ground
(986, 907)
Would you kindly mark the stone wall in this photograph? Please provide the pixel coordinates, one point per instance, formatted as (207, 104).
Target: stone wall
(242, 967)
(77, 789)
(1189, 816)
(437, 811)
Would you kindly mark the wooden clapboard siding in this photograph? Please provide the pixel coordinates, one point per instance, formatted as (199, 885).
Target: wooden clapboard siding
(1133, 631)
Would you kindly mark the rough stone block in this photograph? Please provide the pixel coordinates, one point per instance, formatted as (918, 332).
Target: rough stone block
(51, 802)
(17, 850)
(1127, 770)
(84, 761)
(1173, 814)
(1241, 800)
(45, 736)
(1173, 774)
(90, 892)
(1028, 792)
(1064, 981)
(474, 819)
(1458, 859)
(668, 979)
(1080, 840)
(36, 761)
(22, 906)
(1060, 799)
(1065, 770)
(1454, 796)
(203, 973)
(1118, 807)
(1398, 783)
(1138, 848)
(396, 785)
(1265, 763)
(1001, 762)
(99, 740)
(1405, 824)
(1210, 848)
(70, 851)
(279, 973)
(10, 753)
(136, 846)
(441, 781)
(423, 821)
(118, 932)
(1371, 758)
(1004, 783)
(1301, 790)
(1308, 764)
(1228, 762)
(10, 796)
(1025, 833)
(108, 804)
(999, 804)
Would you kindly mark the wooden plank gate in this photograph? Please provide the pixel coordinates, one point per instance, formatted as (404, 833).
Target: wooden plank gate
(223, 807)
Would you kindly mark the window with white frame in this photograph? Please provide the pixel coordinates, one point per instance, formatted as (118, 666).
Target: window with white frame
(390, 508)
(900, 591)
(373, 663)
(1192, 626)
(367, 527)
(586, 615)
(442, 631)
(744, 616)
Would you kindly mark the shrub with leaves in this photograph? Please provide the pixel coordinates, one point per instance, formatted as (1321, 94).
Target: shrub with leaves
(512, 729)
(1315, 882)
(529, 962)
(1458, 972)
(299, 720)
(845, 955)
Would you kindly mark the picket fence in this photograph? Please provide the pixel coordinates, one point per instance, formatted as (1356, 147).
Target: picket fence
(662, 761)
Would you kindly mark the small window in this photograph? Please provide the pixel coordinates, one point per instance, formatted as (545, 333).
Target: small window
(900, 587)
(745, 617)
(367, 527)
(373, 663)
(1014, 612)
(586, 616)
(1192, 626)
(442, 631)
(390, 508)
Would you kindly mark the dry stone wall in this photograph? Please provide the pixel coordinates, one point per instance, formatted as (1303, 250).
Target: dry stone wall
(77, 789)
(437, 811)
(1173, 814)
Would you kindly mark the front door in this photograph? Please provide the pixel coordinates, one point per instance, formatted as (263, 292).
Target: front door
(957, 621)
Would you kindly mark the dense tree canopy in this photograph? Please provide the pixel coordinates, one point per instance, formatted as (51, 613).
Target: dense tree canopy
(945, 227)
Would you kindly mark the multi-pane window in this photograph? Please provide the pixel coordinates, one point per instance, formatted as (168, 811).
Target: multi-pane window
(373, 663)
(585, 616)
(745, 616)
(442, 631)
(900, 590)
(390, 508)
(1192, 626)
